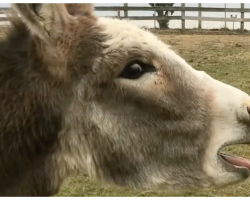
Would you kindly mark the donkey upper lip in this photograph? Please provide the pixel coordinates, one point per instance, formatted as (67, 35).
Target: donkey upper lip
(236, 161)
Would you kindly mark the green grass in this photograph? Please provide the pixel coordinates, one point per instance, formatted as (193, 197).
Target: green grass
(224, 57)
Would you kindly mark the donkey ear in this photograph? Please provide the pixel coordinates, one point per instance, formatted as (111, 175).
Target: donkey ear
(45, 20)
(42, 18)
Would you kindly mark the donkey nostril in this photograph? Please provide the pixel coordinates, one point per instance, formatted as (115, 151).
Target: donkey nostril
(248, 110)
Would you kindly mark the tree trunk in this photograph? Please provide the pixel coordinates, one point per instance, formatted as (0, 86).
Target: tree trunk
(163, 24)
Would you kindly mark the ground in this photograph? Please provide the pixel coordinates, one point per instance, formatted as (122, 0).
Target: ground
(224, 57)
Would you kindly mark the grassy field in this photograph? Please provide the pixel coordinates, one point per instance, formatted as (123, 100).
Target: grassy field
(225, 57)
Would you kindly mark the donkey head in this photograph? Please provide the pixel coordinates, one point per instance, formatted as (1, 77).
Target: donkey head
(139, 116)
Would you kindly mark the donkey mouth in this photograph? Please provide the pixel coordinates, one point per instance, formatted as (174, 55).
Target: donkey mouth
(236, 161)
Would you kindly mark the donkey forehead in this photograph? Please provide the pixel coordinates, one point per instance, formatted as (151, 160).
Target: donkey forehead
(124, 34)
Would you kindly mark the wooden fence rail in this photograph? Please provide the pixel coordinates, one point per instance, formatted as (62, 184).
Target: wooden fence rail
(242, 10)
(174, 8)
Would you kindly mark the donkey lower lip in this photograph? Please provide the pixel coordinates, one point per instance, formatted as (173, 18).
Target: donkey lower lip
(236, 161)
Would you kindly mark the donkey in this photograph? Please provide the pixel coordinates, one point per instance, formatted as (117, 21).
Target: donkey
(102, 97)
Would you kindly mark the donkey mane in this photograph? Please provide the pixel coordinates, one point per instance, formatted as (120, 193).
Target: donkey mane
(14, 42)
(19, 97)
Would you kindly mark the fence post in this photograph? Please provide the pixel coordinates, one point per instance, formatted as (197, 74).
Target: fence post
(154, 22)
(118, 14)
(125, 11)
(242, 18)
(225, 16)
(199, 15)
(182, 16)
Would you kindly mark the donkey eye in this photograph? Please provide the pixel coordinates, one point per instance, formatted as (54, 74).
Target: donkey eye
(136, 69)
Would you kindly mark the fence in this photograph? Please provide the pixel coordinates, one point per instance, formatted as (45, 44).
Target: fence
(182, 8)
